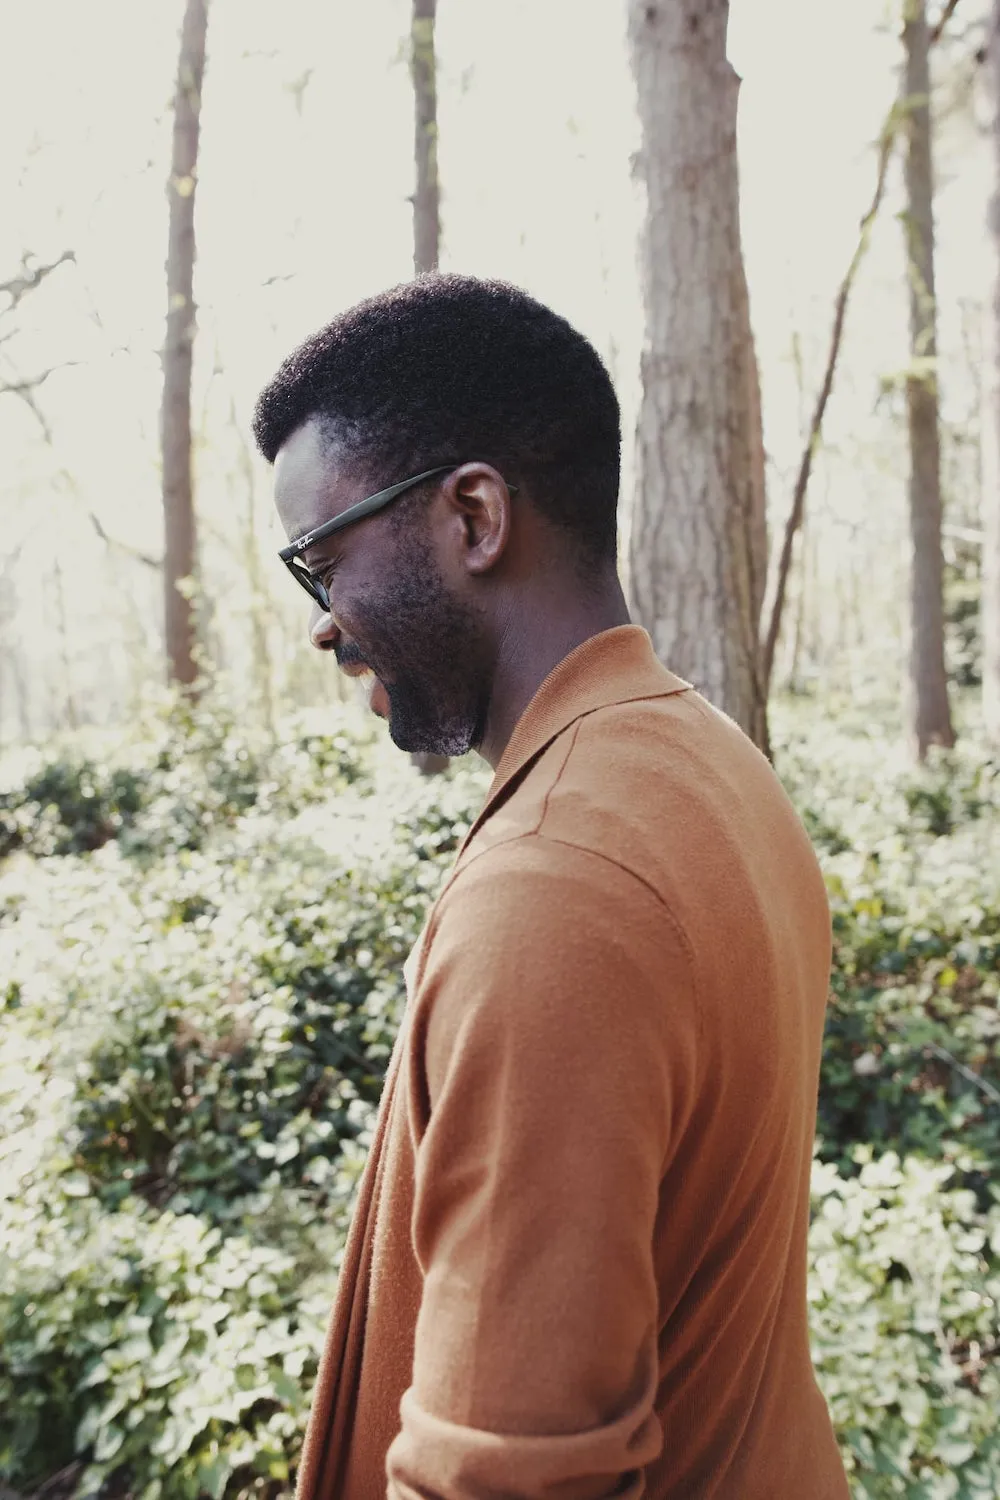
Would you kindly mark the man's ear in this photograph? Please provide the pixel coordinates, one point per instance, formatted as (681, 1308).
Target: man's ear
(479, 500)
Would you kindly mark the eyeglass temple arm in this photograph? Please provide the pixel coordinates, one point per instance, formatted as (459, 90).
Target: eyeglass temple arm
(363, 508)
(356, 513)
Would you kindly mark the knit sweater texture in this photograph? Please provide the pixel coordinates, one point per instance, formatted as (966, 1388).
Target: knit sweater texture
(577, 1266)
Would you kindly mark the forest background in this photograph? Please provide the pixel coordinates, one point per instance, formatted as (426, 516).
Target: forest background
(205, 900)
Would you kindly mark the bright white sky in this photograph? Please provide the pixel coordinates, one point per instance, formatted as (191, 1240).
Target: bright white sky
(302, 208)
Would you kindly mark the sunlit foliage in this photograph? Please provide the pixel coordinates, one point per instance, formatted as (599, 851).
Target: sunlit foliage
(201, 935)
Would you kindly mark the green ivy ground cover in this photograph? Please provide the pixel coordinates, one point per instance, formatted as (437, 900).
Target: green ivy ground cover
(201, 937)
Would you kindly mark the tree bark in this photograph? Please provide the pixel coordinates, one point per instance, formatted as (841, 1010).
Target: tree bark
(929, 714)
(756, 522)
(991, 427)
(697, 558)
(427, 197)
(262, 665)
(180, 533)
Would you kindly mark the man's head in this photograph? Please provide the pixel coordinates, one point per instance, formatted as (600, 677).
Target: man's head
(443, 371)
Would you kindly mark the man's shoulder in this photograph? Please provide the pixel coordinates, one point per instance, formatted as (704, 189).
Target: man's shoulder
(536, 892)
(532, 932)
(666, 791)
(631, 778)
(534, 870)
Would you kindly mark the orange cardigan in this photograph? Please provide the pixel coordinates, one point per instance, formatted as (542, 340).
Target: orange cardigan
(577, 1267)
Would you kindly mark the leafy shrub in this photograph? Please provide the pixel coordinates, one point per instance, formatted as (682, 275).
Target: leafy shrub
(912, 859)
(262, 1068)
(68, 806)
(951, 790)
(198, 1010)
(187, 1079)
(905, 1316)
(150, 1346)
(963, 593)
(194, 770)
(912, 1049)
(912, 1055)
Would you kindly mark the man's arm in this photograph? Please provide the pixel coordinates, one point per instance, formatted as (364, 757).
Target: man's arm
(556, 1025)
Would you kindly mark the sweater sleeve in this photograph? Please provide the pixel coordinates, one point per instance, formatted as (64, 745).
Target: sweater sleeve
(555, 1053)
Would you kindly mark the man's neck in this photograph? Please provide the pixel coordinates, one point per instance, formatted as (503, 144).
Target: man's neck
(533, 643)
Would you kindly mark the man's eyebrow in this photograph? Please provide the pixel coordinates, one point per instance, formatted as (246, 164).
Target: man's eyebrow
(328, 547)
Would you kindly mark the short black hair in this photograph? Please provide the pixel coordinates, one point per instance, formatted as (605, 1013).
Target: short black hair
(451, 368)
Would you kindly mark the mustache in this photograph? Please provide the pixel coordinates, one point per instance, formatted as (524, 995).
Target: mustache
(348, 654)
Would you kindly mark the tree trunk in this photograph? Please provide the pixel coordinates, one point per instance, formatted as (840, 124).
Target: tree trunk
(991, 428)
(70, 716)
(756, 532)
(427, 197)
(928, 711)
(696, 559)
(180, 535)
(256, 590)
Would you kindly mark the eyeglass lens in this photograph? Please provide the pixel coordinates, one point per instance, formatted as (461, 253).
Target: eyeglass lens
(312, 586)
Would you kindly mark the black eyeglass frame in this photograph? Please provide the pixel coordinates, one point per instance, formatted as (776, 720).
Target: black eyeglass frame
(358, 512)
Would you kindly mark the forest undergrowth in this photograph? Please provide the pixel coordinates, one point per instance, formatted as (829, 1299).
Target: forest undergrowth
(202, 929)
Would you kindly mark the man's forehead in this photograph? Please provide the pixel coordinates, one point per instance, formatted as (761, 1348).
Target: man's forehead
(310, 480)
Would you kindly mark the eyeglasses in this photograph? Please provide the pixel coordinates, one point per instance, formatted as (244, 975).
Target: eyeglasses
(313, 587)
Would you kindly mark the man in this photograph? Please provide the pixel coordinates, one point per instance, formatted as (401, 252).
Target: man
(577, 1265)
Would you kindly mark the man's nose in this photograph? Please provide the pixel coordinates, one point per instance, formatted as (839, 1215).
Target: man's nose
(323, 633)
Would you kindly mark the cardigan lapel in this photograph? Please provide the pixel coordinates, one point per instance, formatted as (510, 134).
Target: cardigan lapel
(616, 666)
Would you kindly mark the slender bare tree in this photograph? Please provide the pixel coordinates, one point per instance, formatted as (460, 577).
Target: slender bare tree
(427, 193)
(697, 555)
(814, 436)
(180, 530)
(991, 425)
(886, 144)
(257, 601)
(427, 196)
(929, 713)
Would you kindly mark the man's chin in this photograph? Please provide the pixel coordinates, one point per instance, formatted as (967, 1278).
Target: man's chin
(414, 743)
(421, 739)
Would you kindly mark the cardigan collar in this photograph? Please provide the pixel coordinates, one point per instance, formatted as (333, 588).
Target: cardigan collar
(614, 666)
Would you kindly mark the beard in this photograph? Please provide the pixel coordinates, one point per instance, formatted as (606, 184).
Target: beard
(429, 651)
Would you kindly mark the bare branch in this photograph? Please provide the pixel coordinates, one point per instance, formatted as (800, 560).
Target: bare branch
(31, 276)
(966, 1073)
(5, 568)
(795, 516)
(887, 140)
(942, 22)
(32, 382)
(69, 482)
(26, 391)
(113, 541)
